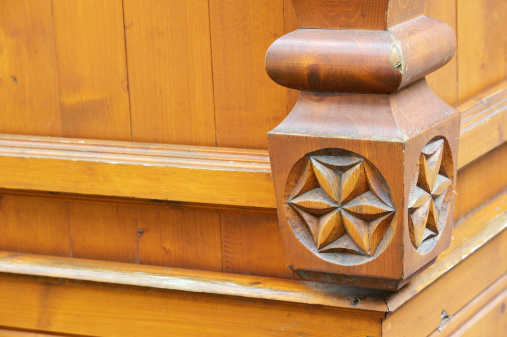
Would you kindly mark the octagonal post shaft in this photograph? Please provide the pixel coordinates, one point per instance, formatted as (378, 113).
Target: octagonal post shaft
(364, 166)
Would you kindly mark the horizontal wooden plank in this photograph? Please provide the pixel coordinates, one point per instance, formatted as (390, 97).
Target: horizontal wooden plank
(459, 275)
(105, 310)
(194, 281)
(469, 313)
(206, 175)
(476, 234)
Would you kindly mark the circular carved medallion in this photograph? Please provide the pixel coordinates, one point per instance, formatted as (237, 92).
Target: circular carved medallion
(430, 195)
(339, 206)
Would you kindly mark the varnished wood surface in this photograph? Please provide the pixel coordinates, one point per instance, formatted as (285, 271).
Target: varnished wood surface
(162, 111)
(219, 176)
(114, 310)
(193, 281)
(138, 292)
(477, 231)
(463, 320)
(170, 71)
(223, 239)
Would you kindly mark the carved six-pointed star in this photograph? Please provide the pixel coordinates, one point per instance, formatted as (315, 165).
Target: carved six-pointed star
(427, 197)
(343, 203)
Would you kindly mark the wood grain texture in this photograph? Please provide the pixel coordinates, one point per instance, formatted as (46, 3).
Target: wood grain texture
(70, 307)
(20, 333)
(180, 238)
(459, 282)
(296, 293)
(470, 235)
(466, 319)
(480, 181)
(28, 69)
(103, 232)
(490, 321)
(139, 170)
(92, 73)
(170, 74)
(34, 225)
(242, 120)
(444, 80)
(226, 176)
(481, 46)
(251, 244)
(485, 109)
(479, 235)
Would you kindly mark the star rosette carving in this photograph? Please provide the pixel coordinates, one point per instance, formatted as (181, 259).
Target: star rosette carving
(344, 204)
(427, 202)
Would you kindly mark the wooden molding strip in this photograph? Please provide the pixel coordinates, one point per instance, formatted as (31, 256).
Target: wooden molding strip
(473, 233)
(207, 175)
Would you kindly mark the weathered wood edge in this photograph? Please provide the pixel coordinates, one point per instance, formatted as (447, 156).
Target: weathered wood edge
(232, 177)
(468, 237)
(194, 281)
(466, 240)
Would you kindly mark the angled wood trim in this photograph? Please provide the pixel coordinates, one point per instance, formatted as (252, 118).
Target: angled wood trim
(233, 177)
(477, 231)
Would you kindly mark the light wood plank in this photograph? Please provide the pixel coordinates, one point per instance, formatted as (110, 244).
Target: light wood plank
(481, 46)
(251, 244)
(33, 225)
(220, 176)
(444, 80)
(248, 103)
(120, 311)
(28, 69)
(92, 69)
(468, 316)
(180, 237)
(104, 232)
(460, 274)
(170, 76)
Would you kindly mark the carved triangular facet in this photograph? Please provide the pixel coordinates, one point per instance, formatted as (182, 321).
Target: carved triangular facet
(311, 222)
(328, 179)
(341, 163)
(433, 160)
(315, 202)
(417, 198)
(432, 223)
(343, 245)
(330, 228)
(353, 183)
(433, 147)
(377, 229)
(368, 207)
(376, 184)
(358, 231)
(441, 185)
(417, 223)
(306, 183)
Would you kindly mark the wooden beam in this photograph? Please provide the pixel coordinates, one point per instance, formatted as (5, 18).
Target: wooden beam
(219, 176)
(149, 297)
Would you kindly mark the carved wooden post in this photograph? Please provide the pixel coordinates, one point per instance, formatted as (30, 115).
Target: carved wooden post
(364, 166)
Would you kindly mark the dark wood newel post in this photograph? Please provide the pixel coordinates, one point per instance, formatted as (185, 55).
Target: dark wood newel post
(364, 166)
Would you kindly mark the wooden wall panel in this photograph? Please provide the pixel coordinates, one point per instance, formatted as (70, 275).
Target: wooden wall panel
(170, 76)
(92, 69)
(29, 102)
(180, 237)
(443, 81)
(251, 244)
(482, 45)
(103, 232)
(480, 181)
(32, 225)
(248, 103)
